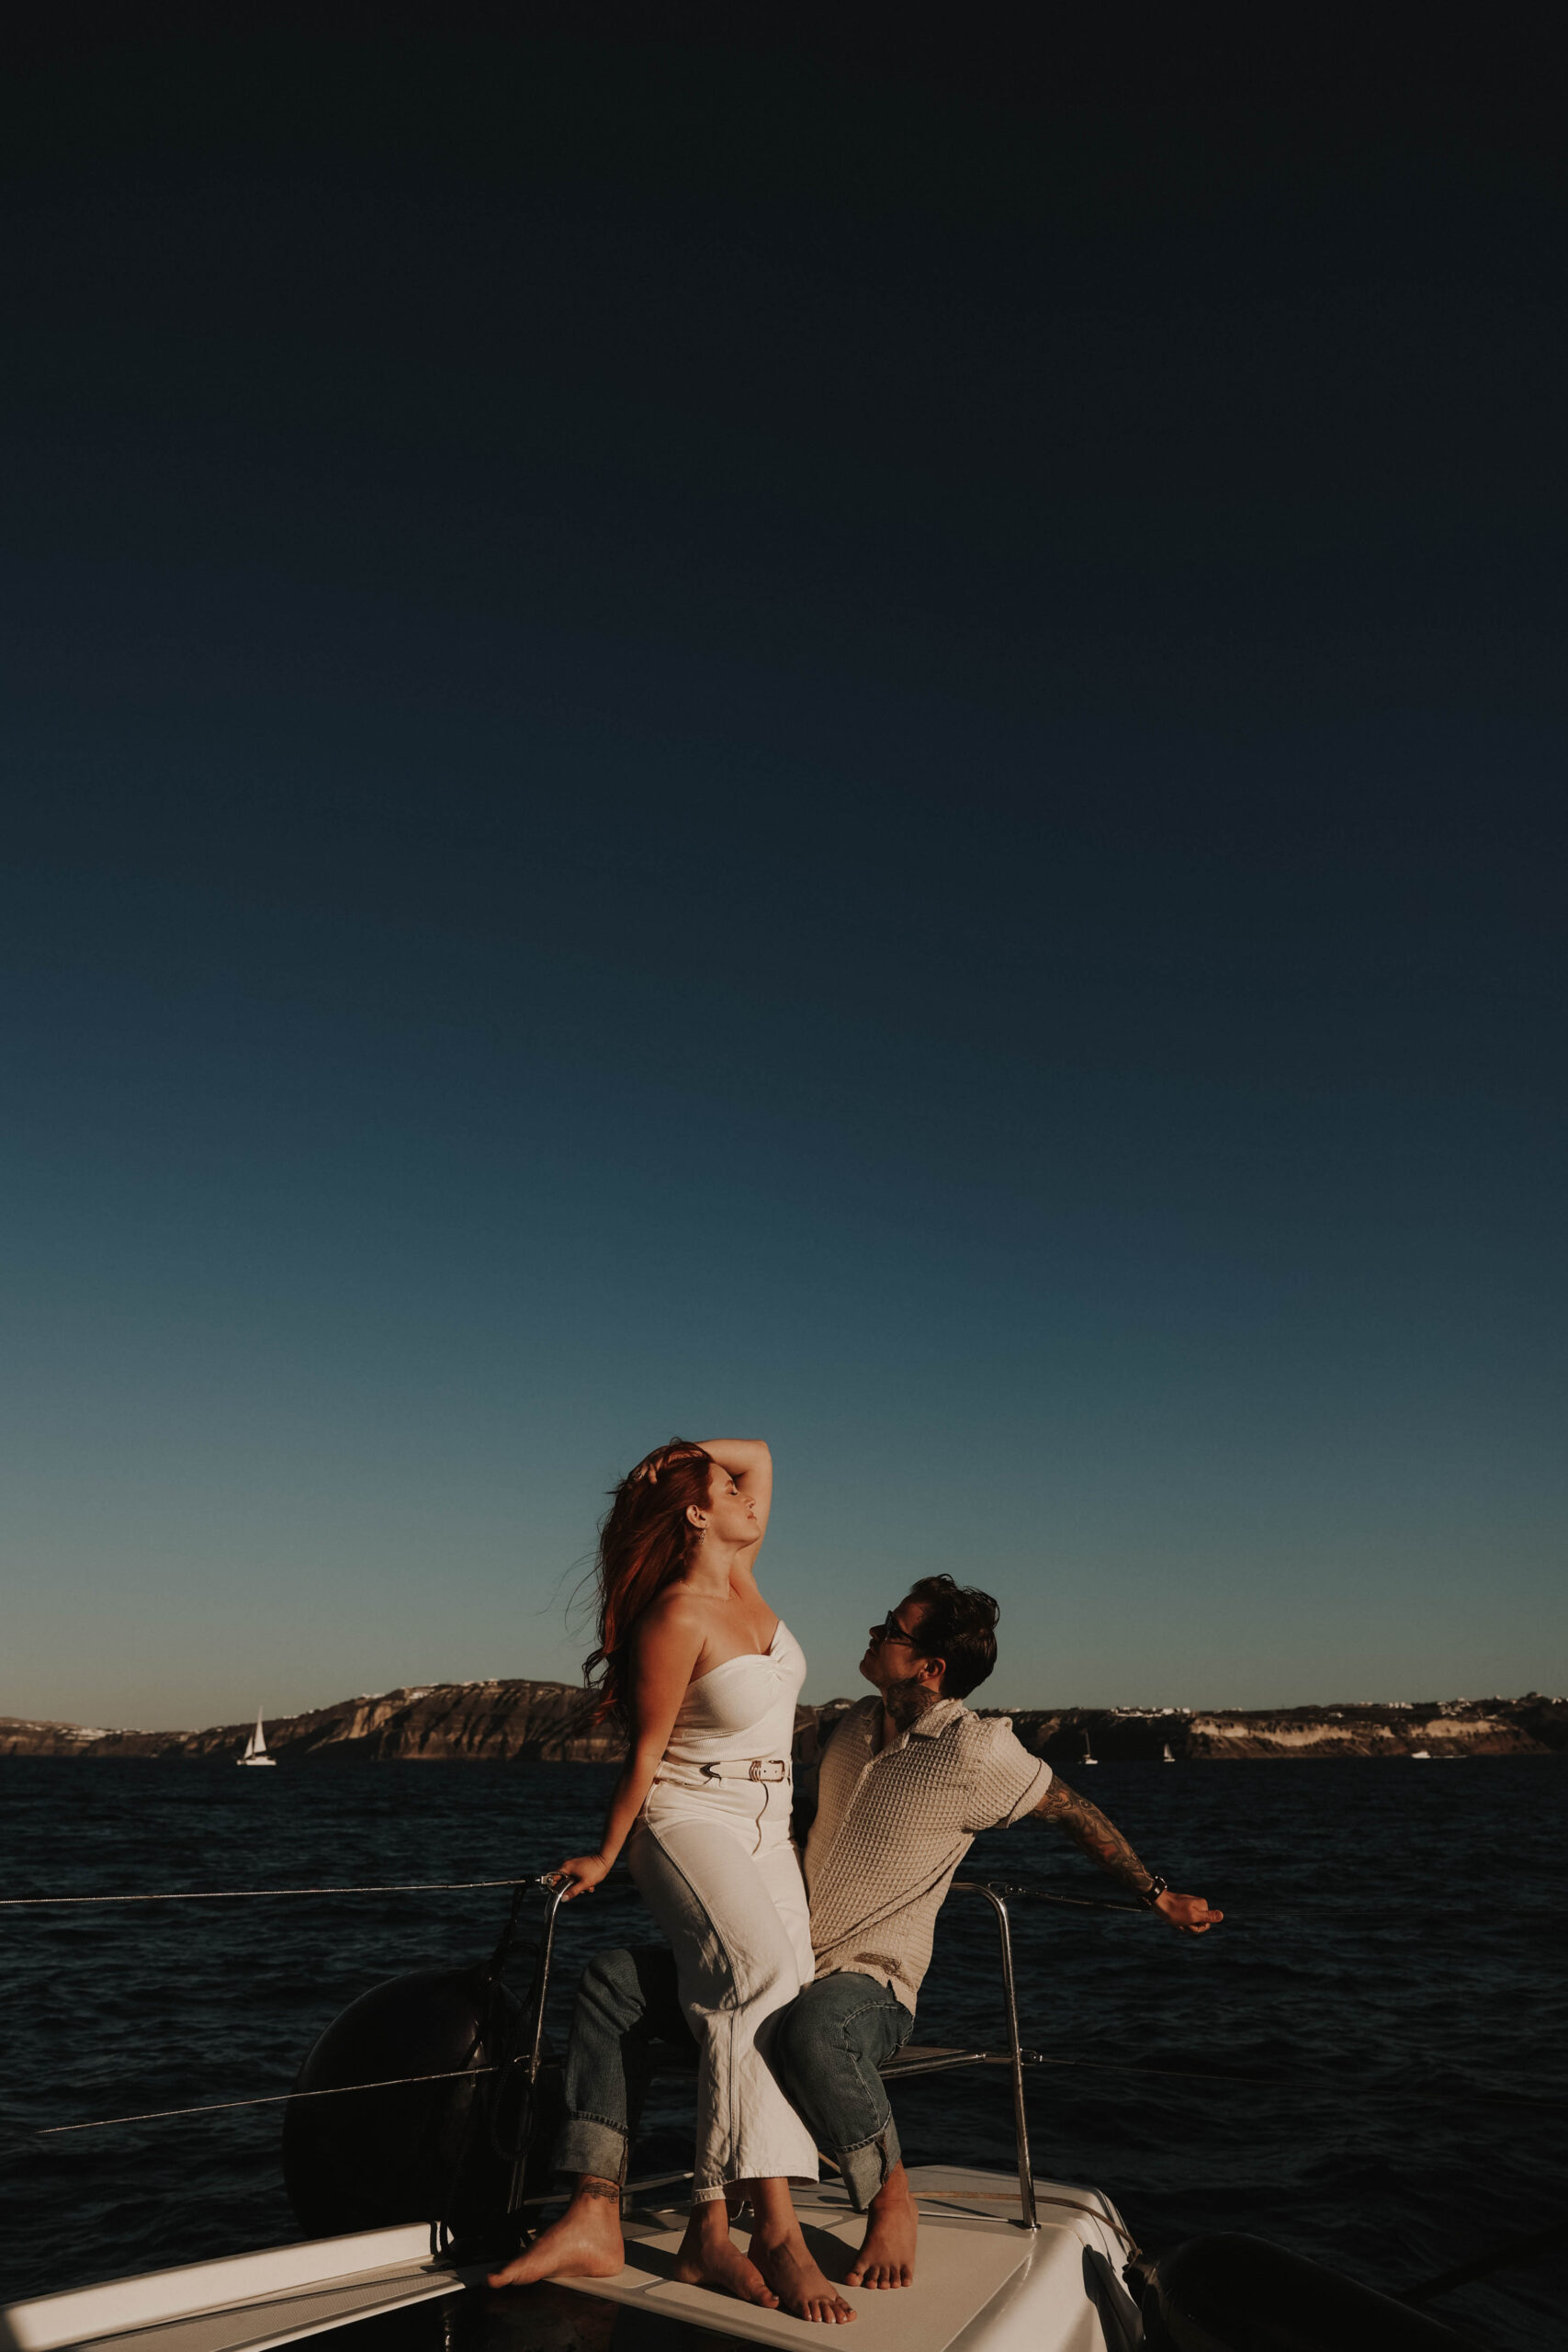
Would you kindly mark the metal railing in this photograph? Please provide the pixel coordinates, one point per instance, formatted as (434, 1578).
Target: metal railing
(995, 1897)
(908, 2063)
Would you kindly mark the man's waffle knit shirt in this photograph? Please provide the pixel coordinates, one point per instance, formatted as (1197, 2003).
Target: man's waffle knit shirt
(891, 1830)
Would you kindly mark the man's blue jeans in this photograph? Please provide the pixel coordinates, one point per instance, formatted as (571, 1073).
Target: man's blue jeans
(825, 2049)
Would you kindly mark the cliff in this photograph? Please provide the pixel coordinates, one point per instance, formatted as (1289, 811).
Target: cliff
(442, 1723)
(504, 1723)
(1532, 1725)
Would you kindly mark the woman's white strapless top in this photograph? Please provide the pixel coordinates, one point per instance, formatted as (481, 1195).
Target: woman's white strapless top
(742, 1709)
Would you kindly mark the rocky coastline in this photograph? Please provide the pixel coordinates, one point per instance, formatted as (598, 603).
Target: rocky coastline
(1533, 1725)
(519, 1721)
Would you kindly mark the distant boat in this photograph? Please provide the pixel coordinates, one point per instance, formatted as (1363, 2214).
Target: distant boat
(1420, 1755)
(1168, 1757)
(255, 1746)
(1088, 1756)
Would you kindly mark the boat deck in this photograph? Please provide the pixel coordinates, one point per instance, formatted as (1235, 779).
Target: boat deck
(983, 2282)
(982, 2279)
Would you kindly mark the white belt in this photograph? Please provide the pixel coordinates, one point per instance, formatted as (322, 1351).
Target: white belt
(738, 1768)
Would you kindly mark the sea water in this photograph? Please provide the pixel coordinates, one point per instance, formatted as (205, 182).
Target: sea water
(1367, 2063)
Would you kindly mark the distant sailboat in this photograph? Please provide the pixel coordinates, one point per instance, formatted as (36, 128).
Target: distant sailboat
(1088, 1756)
(255, 1746)
(1168, 1757)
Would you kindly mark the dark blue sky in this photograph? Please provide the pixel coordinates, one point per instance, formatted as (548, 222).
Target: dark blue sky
(705, 734)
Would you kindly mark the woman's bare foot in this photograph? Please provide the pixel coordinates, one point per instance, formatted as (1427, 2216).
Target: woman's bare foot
(586, 2243)
(801, 2288)
(886, 2258)
(710, 2257)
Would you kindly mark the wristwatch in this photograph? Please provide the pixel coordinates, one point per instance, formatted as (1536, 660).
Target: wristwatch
(1154, 1889)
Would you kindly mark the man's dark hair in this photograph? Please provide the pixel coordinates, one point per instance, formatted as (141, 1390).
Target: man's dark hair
(960, 1627)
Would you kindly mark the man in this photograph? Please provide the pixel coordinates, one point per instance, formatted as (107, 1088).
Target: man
(907, 1779)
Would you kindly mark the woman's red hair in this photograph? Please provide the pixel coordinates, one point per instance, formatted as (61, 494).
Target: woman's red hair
(644, 1544)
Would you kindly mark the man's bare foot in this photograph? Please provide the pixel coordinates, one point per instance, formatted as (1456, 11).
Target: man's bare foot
(886, 2258)
(802, 2289)
(586, 2243)
(710, 2257)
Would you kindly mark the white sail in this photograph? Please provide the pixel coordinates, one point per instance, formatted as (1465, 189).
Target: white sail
(255, 1746)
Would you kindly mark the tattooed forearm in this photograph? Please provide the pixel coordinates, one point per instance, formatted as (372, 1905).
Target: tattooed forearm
(1087, 1827)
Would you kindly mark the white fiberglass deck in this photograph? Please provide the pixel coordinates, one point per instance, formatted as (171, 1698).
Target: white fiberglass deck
(242, 2304)
(982, 2282)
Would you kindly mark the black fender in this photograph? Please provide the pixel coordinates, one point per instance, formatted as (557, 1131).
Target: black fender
(1236, 2293)
(409, 2152)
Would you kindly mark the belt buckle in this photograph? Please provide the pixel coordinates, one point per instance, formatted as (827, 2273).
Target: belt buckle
(755, 1771)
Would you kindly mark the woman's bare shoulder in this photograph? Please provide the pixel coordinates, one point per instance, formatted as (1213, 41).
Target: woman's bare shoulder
(676, 1610)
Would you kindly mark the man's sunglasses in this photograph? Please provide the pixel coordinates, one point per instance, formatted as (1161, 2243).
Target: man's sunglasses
(890, 1630)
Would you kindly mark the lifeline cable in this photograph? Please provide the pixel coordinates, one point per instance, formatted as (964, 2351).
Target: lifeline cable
(450, 1886)
(274, 2099)
(518, 1885)
(467, 2073)
(266, 1894)
(1167, 2074)
(1075, 1902)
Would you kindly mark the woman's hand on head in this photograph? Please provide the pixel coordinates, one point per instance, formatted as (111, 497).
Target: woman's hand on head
(661, 1459)
(580, 1875)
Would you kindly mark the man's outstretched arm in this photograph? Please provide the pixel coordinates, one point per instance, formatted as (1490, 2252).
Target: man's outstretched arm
(1104, 1843)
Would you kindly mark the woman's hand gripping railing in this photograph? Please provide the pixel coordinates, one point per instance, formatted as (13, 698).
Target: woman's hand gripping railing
(520, 2070)
(530, 2056)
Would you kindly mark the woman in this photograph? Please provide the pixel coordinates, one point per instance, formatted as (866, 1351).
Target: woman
(705, 1676)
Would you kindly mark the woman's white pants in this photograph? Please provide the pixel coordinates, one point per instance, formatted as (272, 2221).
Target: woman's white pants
(715, 1865)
